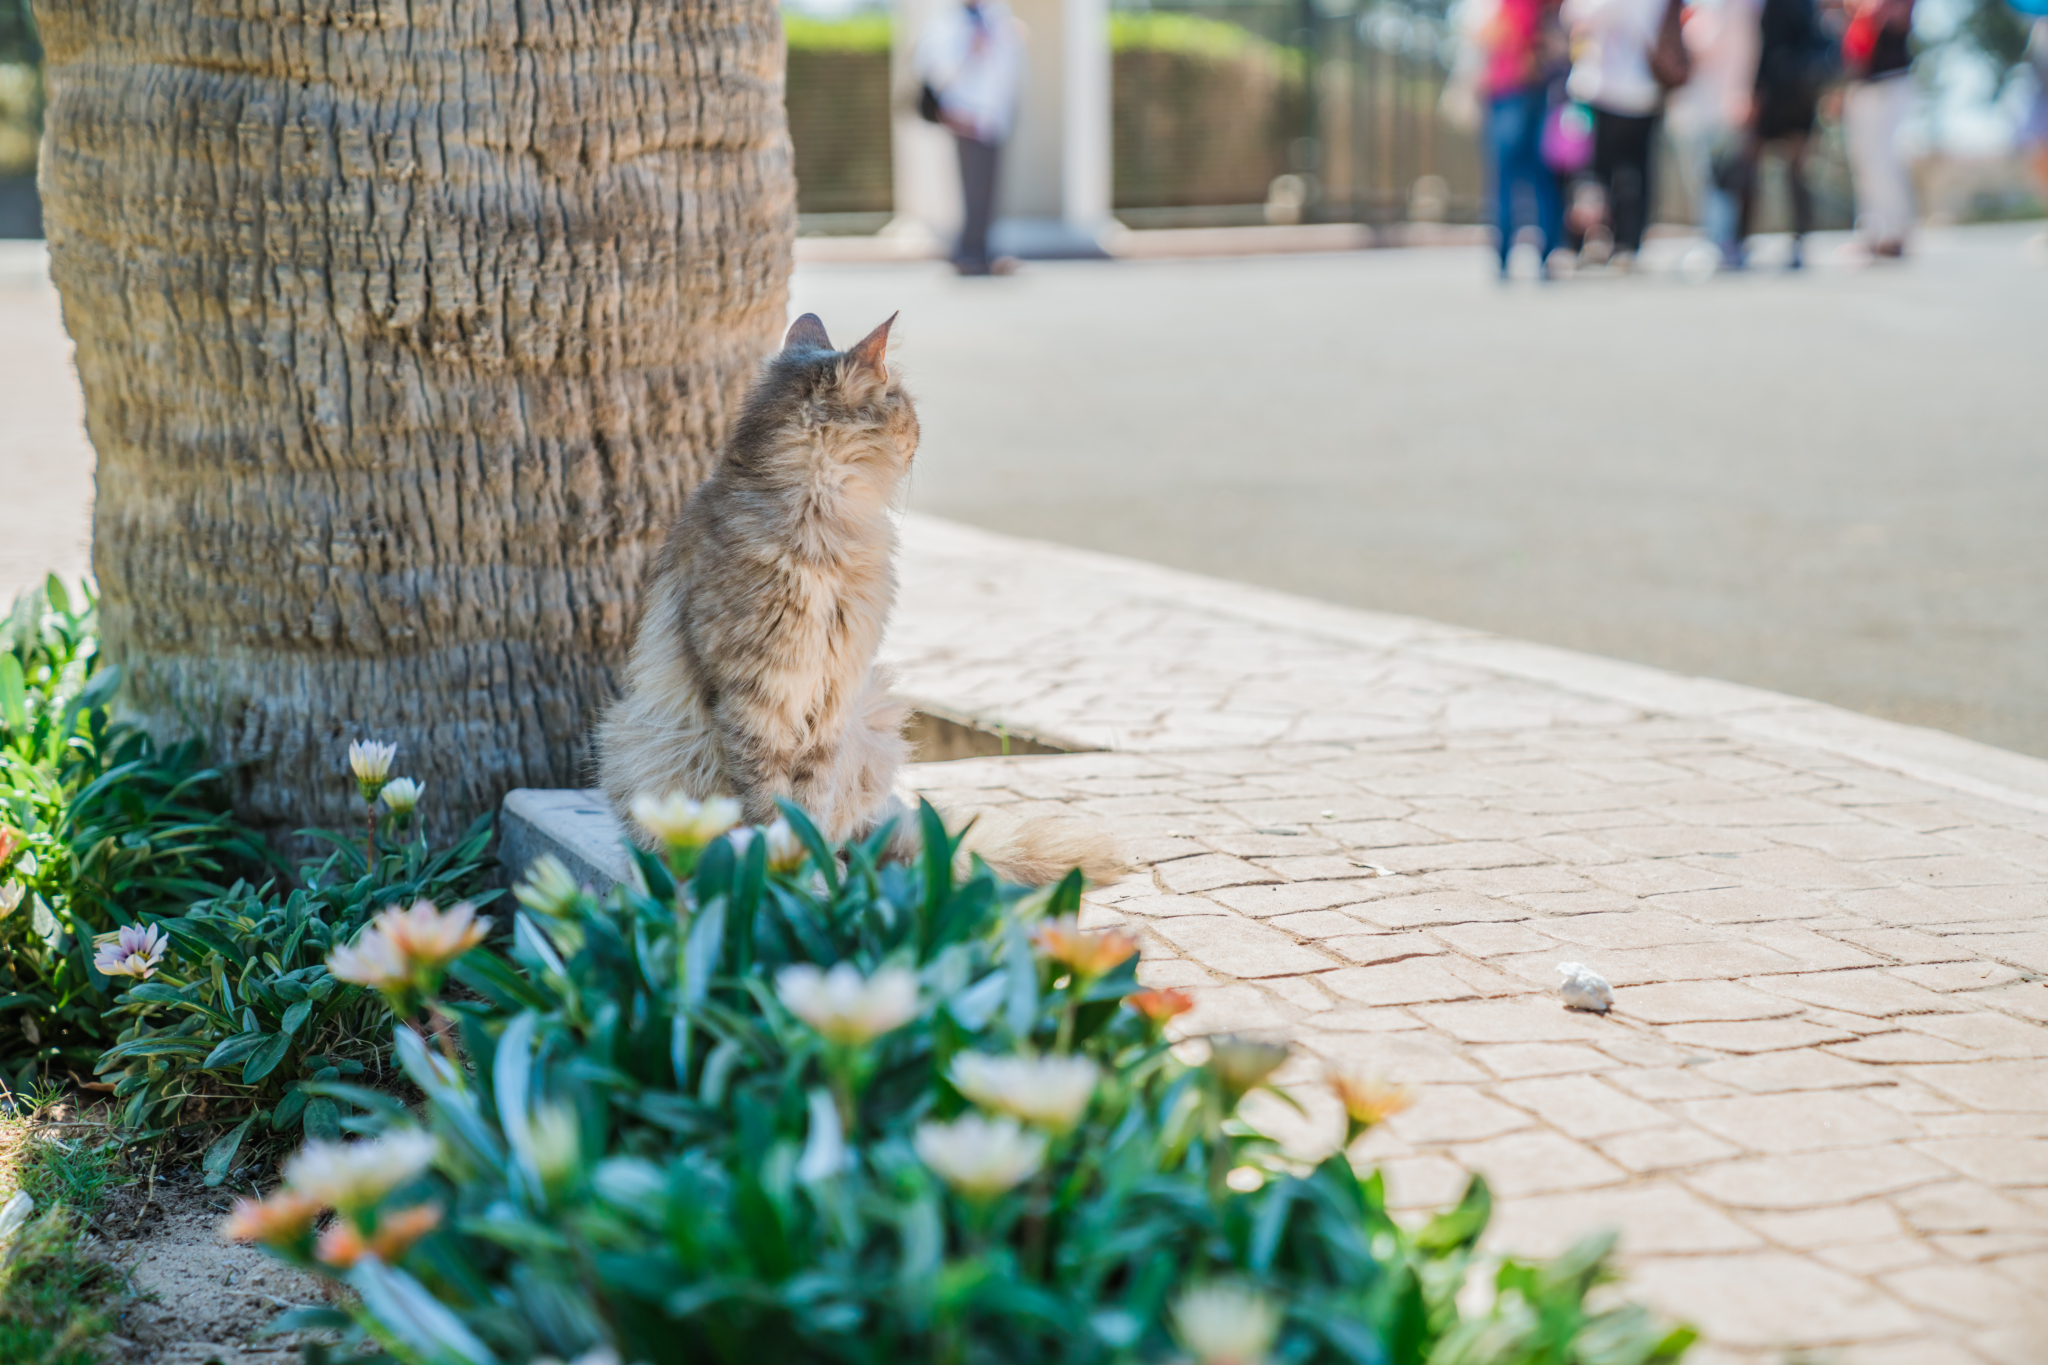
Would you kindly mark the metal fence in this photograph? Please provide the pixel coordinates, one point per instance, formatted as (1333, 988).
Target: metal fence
(1358, 130)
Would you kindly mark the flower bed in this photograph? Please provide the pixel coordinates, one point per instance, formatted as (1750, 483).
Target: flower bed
(791, 1102)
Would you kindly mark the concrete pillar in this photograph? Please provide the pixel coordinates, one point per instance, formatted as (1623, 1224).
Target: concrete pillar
(1053, 198)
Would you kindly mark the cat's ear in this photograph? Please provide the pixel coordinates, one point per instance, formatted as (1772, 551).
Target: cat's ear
(807, 333)
(872, 351)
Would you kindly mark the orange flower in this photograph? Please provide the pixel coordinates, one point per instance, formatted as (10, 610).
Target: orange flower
(1367, 1100)
(279, 1221)
(1160, 1005)
(10, 843)
(343, 1244)
(1087, 955)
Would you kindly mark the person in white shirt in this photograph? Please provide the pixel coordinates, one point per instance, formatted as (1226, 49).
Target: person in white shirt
(1707, 116)
(1611, 44)
(971, 60)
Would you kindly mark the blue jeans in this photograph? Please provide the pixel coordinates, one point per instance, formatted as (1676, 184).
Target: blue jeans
(1514, 135)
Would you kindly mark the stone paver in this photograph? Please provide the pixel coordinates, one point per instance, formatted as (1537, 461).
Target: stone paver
(1818, 1114)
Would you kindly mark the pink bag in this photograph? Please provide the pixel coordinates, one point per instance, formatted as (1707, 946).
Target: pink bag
(1567, 146)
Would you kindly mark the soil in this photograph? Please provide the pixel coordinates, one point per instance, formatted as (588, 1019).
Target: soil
(201, 1299)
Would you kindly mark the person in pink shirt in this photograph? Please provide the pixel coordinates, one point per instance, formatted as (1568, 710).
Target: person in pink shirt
(1521, 46)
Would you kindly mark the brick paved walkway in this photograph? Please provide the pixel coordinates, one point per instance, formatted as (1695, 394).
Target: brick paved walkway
(1817, 1113)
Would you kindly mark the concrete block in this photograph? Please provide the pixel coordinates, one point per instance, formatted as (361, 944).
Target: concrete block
(576, 826)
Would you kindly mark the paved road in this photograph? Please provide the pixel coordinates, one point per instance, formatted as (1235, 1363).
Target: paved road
(1834, 484)
(45, 462)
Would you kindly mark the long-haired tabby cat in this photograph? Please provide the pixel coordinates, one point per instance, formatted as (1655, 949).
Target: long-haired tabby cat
(754, 672)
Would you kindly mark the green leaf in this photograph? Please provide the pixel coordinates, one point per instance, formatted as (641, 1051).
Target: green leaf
(13, 695)
(295, 1017)
(232, 1050)
(701, 952)
(488, 975)
(155, 993)
(158, 1045)
(821, 852)
(323, 1120)
(288, 1110)
(264, 1059)
(220, 1157)
(1461, 1226)
(362, 1097)
(60, 600)
(405, 1308)
(307, 1320)
(196, 933)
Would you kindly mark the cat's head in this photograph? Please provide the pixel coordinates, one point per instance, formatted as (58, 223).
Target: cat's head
(820, 411)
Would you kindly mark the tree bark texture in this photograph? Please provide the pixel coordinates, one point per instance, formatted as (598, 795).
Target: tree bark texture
(405, 326)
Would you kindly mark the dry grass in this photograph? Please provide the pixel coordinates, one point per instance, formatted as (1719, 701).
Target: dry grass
(59, 1291)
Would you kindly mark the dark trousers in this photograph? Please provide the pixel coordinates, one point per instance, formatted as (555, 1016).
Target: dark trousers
(978, 188)
(1621, 163)
(1514, 134)
(1793, 149)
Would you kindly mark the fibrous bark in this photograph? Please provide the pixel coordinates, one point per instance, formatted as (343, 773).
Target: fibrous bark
(405, 326)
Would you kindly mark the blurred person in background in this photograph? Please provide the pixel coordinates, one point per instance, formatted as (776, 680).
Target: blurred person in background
(1708, 117)
(2033, 135)
(1877, 54)
(1517, 42)
(1612, 42)
(1792, 66)
(970, 59)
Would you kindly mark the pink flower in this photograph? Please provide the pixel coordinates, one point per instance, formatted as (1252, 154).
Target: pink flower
(134, 951)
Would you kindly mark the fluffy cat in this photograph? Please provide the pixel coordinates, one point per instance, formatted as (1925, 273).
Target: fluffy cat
(754, 671)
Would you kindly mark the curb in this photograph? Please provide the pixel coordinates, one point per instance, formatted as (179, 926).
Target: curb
(578, 827)
(1964, 765)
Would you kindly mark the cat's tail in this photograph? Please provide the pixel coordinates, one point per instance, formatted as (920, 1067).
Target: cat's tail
(1040, 849)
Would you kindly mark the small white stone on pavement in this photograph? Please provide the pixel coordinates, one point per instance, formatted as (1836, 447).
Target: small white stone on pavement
(1584, 988)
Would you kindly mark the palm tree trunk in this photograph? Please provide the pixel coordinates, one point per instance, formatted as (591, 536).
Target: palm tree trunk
(404, 329)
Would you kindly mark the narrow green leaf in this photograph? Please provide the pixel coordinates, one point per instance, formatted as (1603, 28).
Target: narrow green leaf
(232, 1050)
(701, 952)
(1461, 1226)
(220, 1157)
(821, 852)
(155, 993)
(488, 975)
(13, 695)
(307, 1320)
(362, 1097)
(264, 1059)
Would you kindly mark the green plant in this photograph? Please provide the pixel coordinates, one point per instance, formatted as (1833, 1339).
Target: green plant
(21, 89)
(678, 1137)
(226, 1032)
(99, 827)
(56, 1294)
(1196, 37)
(853, 33)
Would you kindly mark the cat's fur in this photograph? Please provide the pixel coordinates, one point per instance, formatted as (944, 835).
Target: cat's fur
(754, 671)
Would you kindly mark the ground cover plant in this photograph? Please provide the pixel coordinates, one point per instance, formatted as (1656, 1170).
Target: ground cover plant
(790, 1102)
(234, 1008)
(56, 1294)
(99, 827)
